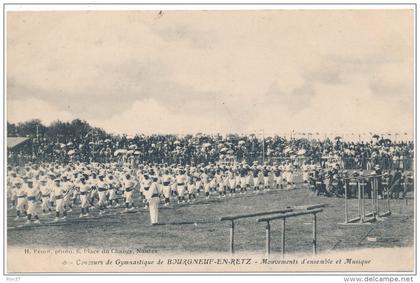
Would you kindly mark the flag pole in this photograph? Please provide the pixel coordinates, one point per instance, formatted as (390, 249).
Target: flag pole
(263, 151)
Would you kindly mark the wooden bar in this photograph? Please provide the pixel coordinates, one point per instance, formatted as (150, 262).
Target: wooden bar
(352, 220)
(388, 213)
(370, 219)
(291, 214)
(235, 217)
(310, 207)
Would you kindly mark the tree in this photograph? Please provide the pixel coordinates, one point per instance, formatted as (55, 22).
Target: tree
(11, 130)
(58, 131)
(30, 128)
(80, 128)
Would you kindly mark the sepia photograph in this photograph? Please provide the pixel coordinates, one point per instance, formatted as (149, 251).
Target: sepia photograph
(204, 140)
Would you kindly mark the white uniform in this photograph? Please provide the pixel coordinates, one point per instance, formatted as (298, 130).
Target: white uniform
(261, 178)
(50, 184)
(232, 182)
(305, 174)
(205, 180)
(59, 192)
(166, 186)
(250, 179)
(146, 186)
(191, 188)
(93, 182)
(68, 187)
(244, 181)
(220, 183)
(238, 180)
(198, 183)
(84, 194)
(289, 177)
(139, 185)
(213, 183)
(21, 199)
(112, 189)
(180, 181)
(32, 196)
(45, 196)
(102, 190)
(128, 190)
(14, 183)
(152, 197)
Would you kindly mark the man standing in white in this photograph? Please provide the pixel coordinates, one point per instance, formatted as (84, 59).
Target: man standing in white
(152, 196)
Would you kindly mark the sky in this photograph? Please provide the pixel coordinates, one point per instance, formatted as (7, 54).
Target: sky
(329, 71)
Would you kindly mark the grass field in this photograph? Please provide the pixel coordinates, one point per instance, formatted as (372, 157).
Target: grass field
(178, 233)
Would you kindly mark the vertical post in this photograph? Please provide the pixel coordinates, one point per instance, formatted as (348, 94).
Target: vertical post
(363, 201)
(314, 235)
(283, 238)
(346, 209)
(359, 201)
(388, 196)
(232, 234)
(93, 148)
(267, 238)
(377, 194)
(263, 149)
(37, 134)
(372, 196)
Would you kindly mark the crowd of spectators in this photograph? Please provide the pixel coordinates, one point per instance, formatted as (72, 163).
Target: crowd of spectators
(202, 148)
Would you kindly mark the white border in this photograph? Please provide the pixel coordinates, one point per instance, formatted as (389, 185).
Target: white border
(108, 6)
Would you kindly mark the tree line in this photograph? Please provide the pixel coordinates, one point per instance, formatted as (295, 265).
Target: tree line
(57, 130)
